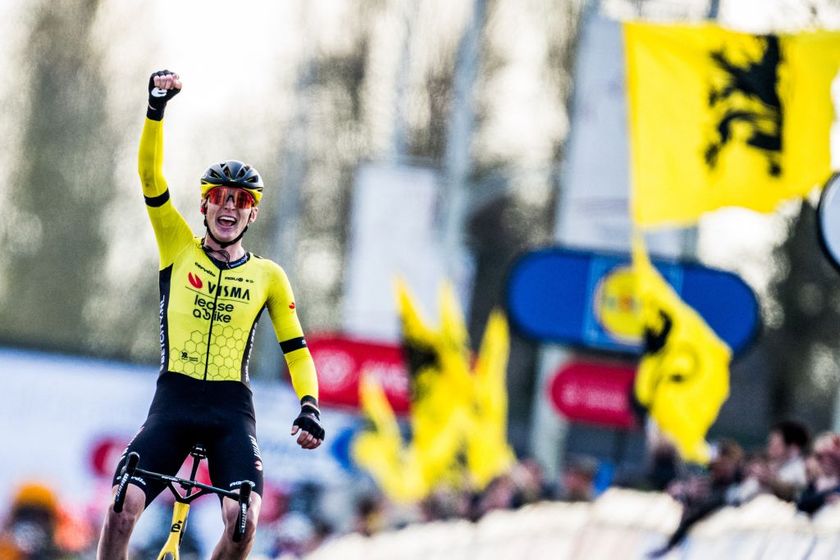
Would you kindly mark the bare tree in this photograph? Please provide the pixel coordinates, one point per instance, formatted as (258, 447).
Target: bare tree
(62, 180)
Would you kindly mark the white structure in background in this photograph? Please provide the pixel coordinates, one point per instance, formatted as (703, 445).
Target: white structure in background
(409, 221)
(593, 206)
(393, 232)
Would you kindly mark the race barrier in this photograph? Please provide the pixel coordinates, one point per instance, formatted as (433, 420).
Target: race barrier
(620, 524)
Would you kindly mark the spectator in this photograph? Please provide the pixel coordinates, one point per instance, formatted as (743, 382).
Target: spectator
(823, 467)
(577, 479)
(702, 496)
(29, 530)
(664, 465)
(501, 493)
(531, 486)
(783, 474)
(370, 515)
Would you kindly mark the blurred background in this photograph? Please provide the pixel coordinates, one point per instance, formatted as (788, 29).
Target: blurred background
(427, 139)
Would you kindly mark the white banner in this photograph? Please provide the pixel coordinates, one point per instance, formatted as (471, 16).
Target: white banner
(392, 233)
(65, 421)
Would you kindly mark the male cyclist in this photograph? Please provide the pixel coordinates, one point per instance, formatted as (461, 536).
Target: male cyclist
(211, 294)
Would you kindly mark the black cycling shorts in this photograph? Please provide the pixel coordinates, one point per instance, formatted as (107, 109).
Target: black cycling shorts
(187, 411)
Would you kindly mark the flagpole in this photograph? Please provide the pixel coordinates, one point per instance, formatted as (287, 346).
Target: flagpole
(714, 8)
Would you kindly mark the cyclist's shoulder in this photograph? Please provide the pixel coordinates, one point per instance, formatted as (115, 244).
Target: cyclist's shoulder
(273, 270)
(264, 262)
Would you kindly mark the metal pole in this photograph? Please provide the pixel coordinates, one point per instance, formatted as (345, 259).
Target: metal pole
(714, 8)
(399, 134)
(459, 139)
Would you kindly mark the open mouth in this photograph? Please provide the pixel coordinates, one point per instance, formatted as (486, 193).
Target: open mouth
(226, 221)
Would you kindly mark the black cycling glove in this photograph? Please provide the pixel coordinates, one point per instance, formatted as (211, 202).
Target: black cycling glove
(309, 418)
(159, 97)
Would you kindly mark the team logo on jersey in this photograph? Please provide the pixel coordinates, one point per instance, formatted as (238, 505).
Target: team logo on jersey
(195, 281)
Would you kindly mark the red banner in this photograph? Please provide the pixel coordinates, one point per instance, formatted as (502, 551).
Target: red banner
(341, 362)
(595, 393)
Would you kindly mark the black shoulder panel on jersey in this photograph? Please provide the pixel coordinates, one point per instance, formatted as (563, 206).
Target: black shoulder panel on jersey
(157, 201)
(292, 344)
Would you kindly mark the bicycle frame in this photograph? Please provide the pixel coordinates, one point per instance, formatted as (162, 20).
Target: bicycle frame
(181, 509)
(171, 547)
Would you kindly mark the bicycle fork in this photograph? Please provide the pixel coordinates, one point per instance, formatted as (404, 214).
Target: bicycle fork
(176, 532)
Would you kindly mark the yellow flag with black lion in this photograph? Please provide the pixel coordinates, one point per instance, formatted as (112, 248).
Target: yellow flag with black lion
(458, 417)
(683, 376)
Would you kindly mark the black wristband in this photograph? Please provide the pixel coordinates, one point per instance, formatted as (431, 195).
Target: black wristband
(309, 418)
(155, 114)
(157, 102)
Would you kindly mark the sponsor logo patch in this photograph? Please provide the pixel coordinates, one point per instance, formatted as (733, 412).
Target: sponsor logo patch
(195, 281)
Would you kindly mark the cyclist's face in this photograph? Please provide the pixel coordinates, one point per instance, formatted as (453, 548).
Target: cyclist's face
(229, 210)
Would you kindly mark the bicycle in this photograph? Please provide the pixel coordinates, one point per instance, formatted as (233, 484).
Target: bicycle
(181, 507)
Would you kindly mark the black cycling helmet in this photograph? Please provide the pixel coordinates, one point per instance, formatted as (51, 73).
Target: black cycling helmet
(232, 173)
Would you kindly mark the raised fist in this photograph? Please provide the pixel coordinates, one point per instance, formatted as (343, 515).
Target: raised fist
(163, 86)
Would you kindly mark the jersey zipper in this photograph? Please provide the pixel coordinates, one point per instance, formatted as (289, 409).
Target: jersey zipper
(210, 329)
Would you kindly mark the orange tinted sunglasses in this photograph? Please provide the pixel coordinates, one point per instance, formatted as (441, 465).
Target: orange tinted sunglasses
(219, 196)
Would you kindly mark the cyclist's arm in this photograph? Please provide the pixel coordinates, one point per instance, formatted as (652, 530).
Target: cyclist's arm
(281, 308)
(171, 230)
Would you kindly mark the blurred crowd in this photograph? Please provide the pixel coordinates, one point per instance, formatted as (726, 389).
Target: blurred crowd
(791, 466)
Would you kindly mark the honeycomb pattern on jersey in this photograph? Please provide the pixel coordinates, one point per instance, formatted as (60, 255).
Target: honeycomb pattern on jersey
(226, 348)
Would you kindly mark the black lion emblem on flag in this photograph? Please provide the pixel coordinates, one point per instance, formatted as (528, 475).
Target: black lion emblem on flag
(748, 95)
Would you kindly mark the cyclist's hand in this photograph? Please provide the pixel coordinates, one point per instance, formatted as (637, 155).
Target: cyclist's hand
(163, 86)
(307, 426)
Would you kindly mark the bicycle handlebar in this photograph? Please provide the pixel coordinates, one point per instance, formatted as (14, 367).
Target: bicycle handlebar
(128, 471)
(243, 497)
(244, 500)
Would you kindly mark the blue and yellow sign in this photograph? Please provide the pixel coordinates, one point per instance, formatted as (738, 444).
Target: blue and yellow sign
(587, 299)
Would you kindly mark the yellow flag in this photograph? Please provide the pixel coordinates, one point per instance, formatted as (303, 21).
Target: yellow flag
(380, 449)
(488, 452)
(440, 384)
(720, 118)
(458, 413)
(683, 377)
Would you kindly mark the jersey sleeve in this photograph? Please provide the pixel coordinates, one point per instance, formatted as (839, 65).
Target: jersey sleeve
(171, 230)
(281, 309)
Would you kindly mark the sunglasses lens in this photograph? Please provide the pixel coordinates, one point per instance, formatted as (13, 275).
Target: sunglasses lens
(244, 199)
(216, 196)
(220, 195)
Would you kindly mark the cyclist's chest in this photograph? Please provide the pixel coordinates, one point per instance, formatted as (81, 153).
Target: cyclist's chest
(200, 291)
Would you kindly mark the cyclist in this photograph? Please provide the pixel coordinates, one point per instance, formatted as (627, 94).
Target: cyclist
(211, 294)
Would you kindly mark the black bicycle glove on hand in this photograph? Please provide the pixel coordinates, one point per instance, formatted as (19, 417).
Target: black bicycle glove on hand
(158, 97)
(309, 419)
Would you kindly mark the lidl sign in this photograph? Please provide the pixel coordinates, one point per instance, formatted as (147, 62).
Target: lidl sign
(587, 299)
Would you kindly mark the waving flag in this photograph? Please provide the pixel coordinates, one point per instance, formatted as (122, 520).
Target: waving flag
(380, 449)
(488, 452)
(458, 416)
(683, 376)
(720, 118)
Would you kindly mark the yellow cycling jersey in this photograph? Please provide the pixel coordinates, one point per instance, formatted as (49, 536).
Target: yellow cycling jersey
(209, 311)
